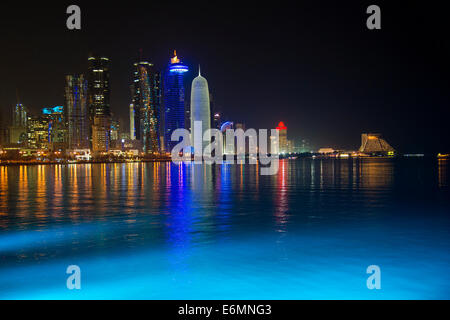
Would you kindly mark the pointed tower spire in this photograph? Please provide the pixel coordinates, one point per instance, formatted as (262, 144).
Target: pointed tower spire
(175, 58)
(199, 73)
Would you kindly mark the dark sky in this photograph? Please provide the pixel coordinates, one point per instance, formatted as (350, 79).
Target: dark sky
(312, 64)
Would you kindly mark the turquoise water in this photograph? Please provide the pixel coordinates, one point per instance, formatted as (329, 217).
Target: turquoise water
(166, 231)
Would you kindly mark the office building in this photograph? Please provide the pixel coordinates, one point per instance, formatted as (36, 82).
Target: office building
(146, 92)
(99, 102)
(76, 112)
(174, 99)
(200, 109)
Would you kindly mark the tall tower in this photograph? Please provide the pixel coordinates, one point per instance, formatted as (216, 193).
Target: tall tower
(76, 112)
(282, 138)
(18, 130)
(132, 132)
(19, 115)
(146, 101)
(200, 108)
(174, 99)
(98, 103)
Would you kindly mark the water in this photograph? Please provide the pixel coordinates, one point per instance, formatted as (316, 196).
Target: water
(166, 231)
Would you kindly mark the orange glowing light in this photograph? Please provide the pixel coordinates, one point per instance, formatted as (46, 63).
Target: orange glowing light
(175, 58)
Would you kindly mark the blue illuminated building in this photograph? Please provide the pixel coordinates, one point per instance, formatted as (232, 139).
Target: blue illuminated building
(53, 110)
(174, 99)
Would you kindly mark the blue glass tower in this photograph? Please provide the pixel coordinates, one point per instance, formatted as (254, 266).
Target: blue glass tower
(174, 100)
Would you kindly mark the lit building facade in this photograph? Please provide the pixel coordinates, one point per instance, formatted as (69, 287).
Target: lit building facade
(98, 102)
(115, 130)
(200, 108)
(174, 99)
(132, 130)
(18, 131)
(76, 112)
(20, 116)
(101, 134)
(146, 91)
(38, 132)
(57, 129)
(228, 146)
(373, 143)
(283, 146)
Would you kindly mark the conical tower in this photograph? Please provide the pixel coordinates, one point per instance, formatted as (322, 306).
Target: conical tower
(200, 107)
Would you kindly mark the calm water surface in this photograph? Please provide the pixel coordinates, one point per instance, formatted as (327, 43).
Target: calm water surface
(166, 231)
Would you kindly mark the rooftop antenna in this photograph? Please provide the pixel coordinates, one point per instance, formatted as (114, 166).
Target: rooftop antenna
(199, 73)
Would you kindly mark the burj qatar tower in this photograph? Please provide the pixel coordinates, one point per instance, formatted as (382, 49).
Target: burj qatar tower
(200, 109)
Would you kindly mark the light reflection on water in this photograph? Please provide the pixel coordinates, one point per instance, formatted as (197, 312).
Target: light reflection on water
(162, 230)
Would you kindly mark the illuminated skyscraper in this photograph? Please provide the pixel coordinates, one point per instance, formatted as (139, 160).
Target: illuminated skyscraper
(174, 99)
(38, 132)
(282, 138)
(57, 128)
(18, 130)
(20, 116)
(76, 112)
(132, 131)
(98, 102)
(146, 101)
(200, 108)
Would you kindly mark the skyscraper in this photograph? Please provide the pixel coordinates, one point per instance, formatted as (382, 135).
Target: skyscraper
(57, 128)
(38, 132)
(146, 101)
(98, 103)
(18, 130)
(200, 108)
(132, 131)
(76, 112)
(174, 99)
(282, 134)
(20, 116)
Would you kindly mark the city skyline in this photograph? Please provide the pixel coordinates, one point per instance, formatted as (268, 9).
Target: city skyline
(279, 68)
(308, 160)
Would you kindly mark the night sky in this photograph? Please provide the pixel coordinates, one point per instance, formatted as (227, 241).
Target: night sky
(312, 64)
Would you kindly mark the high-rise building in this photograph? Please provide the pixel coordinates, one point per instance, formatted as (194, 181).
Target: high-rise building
(115, 130)
(18, 131)
(101, 134)
(216, 123)
(282, 138)
(146, 102)
(174, 99)
(38, 132)
(98, 102)
(156, 92)
(228, 146)
(200, 108)
(132, 130)
(76, 112)
(20, 116)
(4, 133)
(57, 129)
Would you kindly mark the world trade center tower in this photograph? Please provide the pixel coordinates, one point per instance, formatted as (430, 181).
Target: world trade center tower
(174, 100)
